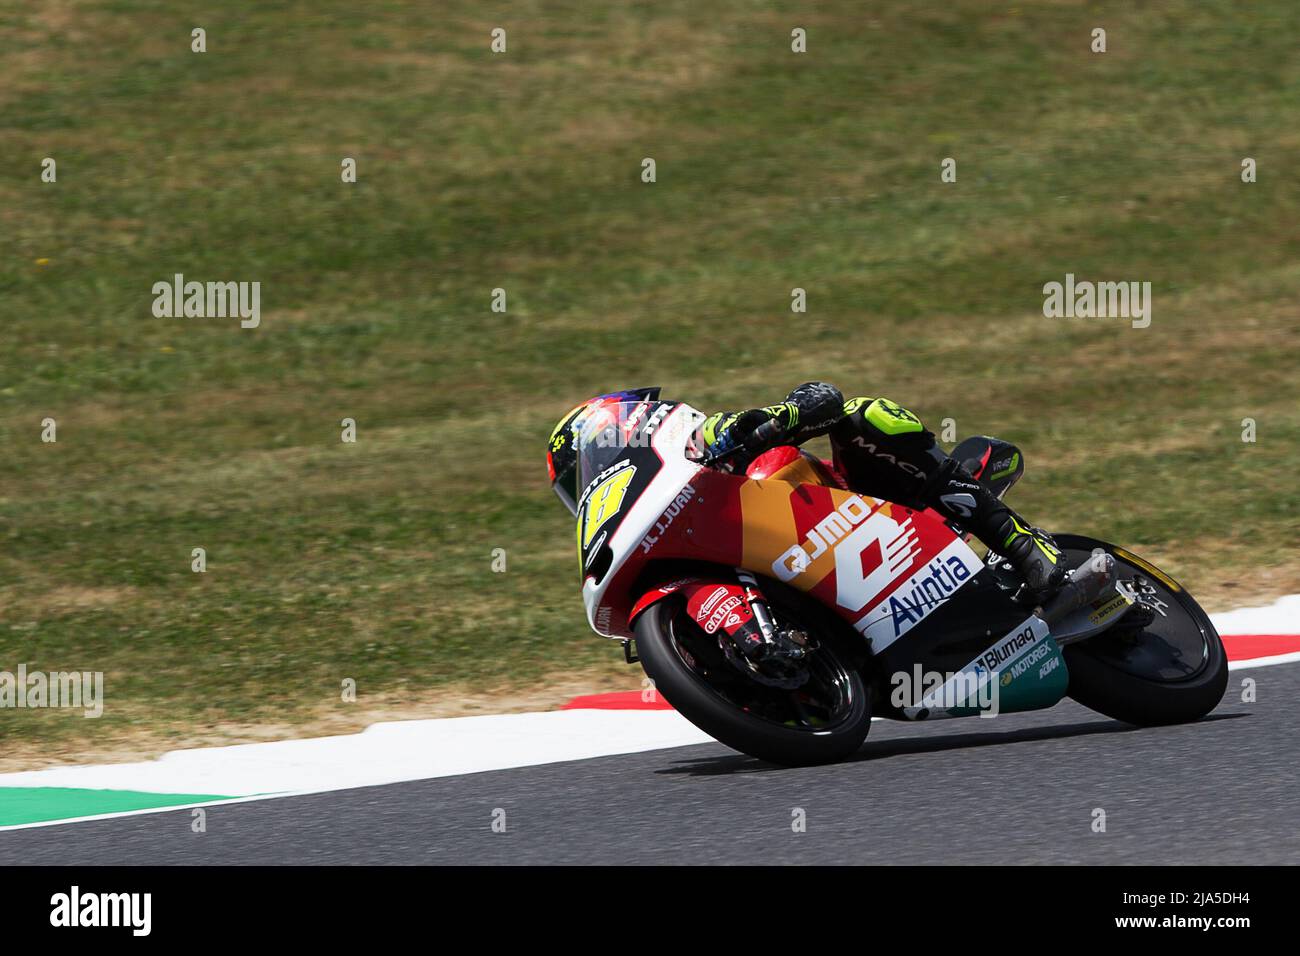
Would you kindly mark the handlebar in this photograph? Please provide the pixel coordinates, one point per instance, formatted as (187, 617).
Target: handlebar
(758, 440)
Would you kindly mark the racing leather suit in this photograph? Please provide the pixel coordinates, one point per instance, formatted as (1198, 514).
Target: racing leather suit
(885, 450)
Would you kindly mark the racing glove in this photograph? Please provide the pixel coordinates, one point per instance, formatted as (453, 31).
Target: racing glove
(809, 410)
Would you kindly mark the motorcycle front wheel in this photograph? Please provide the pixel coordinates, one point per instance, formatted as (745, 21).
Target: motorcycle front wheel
(824, 720)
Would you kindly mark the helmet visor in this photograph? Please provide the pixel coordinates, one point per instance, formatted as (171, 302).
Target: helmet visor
(598, 416)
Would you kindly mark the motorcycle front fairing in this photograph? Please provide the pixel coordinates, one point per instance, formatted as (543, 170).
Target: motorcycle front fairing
(632, 471)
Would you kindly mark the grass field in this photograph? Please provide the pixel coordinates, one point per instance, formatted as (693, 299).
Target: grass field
(521, 170)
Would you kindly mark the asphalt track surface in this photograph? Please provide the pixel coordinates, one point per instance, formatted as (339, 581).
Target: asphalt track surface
(1014, 789)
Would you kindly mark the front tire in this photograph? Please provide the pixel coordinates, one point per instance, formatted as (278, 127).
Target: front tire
(1172, 671)
(824, 721)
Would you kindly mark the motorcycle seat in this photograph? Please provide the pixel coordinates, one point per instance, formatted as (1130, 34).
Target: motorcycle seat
(995, 463)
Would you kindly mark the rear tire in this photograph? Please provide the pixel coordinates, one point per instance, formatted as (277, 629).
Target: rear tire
(1134, 677)
(1137, 701)
(694, 695)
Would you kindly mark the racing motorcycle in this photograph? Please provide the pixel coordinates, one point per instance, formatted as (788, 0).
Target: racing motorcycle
(780, 610)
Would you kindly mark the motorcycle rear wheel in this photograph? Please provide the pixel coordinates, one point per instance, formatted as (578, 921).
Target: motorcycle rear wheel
(823, 721)
(1172, 671)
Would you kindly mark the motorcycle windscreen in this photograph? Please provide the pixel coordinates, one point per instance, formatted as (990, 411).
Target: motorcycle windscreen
(615, 463)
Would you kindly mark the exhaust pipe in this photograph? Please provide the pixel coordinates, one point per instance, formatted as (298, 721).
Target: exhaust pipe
(1085, 583)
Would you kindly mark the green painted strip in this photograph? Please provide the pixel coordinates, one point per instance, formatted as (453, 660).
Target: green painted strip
(42, 804)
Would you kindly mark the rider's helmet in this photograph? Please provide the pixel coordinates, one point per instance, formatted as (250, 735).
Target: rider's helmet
(562, 453)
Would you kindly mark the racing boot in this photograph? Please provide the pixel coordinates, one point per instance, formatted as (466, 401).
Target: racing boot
(1032, 552)
(958, 496)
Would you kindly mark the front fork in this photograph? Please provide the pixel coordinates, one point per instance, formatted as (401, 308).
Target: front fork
(758, 606)
(779, 657)
(791, 644)
(737, 614)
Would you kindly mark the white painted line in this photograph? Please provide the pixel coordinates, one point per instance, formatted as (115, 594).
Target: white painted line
(384, 753)
(1265, 661)
(1280, 617)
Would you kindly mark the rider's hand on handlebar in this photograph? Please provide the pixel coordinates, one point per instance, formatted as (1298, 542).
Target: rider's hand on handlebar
(764, 436)
(758, 441)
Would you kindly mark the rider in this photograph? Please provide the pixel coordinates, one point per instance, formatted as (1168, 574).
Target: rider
(881, 447)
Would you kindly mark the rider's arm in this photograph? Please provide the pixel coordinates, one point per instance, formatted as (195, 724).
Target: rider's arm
(808, 411)
(815, 407)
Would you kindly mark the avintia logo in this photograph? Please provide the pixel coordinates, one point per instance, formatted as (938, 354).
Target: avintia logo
(942, 579)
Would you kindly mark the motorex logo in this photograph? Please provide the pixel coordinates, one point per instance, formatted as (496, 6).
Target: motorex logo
(1026, 662)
